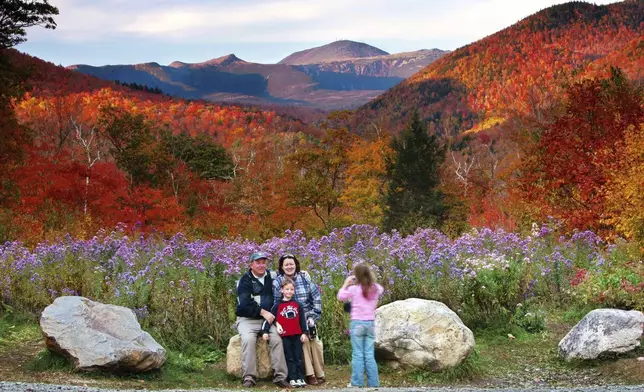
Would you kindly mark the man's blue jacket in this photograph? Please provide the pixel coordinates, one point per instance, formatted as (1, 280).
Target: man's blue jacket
(248, 287)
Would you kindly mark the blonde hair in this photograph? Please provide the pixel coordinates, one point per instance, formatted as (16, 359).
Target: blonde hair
(287, 281)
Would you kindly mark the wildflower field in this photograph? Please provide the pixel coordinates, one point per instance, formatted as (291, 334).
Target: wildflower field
(183, 291)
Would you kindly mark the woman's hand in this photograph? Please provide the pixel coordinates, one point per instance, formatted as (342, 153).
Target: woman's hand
(304, 338)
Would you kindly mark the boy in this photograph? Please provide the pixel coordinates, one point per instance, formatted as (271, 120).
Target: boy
(291, 325)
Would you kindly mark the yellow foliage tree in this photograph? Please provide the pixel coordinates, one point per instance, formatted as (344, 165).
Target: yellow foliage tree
(365, 179)
(625, 190)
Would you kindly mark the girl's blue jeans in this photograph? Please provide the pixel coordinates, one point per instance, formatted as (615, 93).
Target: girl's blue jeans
(363, 334)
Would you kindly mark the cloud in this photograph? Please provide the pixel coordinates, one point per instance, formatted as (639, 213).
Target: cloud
(188, 19)
(419, 23)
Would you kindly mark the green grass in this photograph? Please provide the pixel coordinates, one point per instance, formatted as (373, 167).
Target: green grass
(467, 370)
(507, 353)
(47, 361)
(16, 329)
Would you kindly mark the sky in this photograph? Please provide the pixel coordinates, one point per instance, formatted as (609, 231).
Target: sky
(101, 32)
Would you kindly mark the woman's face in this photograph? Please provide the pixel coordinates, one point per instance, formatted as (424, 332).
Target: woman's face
(289, 267)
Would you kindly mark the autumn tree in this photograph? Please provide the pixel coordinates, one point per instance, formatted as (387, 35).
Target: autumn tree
(366, 179)
(413, 197)
(625, 190)
(15, 16)
(578, 155)
(320, 174)
(134, 146)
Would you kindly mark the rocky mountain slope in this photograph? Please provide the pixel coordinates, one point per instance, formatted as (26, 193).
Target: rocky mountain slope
(341, 75)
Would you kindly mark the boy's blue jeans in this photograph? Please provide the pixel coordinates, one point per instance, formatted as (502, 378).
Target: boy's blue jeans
(363, 334)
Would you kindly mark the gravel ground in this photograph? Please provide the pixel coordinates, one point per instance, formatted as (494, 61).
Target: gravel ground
(26, 387)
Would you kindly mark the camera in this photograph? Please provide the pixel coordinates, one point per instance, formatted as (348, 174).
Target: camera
(313, 332)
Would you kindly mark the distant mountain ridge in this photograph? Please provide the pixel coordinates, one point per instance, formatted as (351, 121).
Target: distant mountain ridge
(337, 82)
(335, 51)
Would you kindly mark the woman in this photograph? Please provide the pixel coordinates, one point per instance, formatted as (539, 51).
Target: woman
(308, 295)
(363, 292)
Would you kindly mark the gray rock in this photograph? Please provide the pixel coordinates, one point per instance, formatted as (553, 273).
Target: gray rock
(233, 358)
(422, 333)
(603, 331)
(97, 336)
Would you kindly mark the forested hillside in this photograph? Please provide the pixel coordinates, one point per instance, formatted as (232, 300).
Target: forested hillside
(519, 70)
(540, 122)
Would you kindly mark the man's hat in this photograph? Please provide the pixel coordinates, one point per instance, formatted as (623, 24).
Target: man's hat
(257, 256)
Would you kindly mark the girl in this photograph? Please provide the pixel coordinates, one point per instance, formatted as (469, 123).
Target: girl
(363, 292)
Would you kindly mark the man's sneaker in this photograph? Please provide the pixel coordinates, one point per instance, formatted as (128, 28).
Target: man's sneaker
(300, 383)
(283, 384)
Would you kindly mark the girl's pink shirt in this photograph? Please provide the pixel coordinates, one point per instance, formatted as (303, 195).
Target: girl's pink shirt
(361, 308)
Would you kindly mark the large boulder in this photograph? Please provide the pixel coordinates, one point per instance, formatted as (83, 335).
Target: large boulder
(421, 333)
(233, 358)
(95, 336)
(603, 331)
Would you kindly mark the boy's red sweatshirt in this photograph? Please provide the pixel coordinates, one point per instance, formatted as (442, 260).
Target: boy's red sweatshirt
(290, 315)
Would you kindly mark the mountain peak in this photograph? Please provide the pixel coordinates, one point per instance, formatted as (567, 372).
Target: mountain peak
(224, 60)
(335, 51)
(219, 61)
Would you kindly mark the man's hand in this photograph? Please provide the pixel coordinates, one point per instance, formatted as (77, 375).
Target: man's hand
(304, 338)
(265, 336)
(268, 316)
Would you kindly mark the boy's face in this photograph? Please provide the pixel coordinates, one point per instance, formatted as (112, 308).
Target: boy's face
(288, 291)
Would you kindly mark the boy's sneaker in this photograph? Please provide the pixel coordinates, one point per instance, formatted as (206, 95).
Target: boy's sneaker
(294, 384)
(301, 383)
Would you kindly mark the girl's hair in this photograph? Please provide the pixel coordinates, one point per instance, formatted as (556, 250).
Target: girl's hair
(287, 281)
(366, 279)
(281, 263)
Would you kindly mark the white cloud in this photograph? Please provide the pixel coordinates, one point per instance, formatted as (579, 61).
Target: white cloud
(282, 21)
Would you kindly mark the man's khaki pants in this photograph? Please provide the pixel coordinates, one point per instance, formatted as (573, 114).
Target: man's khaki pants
(313, 358)
(249, 330)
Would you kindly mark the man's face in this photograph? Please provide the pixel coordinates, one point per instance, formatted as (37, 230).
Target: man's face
(258, 267)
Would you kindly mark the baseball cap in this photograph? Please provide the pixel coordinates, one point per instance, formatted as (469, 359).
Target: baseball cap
(257, 256)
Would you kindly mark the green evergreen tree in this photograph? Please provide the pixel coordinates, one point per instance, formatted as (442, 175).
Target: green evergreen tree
(17, 15)
(413, 198)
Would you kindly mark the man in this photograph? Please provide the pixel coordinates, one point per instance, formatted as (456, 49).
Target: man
(255, 294)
